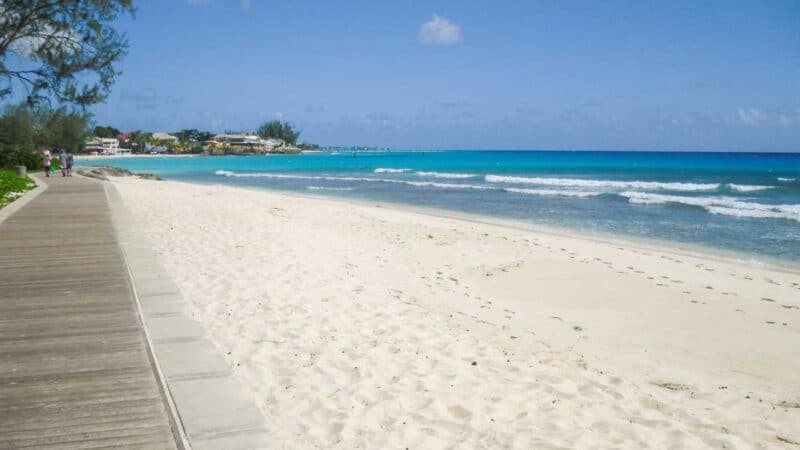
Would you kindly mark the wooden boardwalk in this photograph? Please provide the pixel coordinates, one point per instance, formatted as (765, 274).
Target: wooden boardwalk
(75, 370)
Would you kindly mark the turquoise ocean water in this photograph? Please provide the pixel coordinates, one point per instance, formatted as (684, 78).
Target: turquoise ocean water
(747, 203)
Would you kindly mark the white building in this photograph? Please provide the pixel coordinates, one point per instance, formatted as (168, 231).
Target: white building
(243, 142)
(105, 146)
(161, 137)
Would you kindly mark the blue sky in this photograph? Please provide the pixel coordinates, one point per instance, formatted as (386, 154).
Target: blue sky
(674, 75)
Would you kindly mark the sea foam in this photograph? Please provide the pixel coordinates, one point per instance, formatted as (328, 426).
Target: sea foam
(445, 175)
(324, 188)
(728, 206)
(748, 187)
(390, 170)
(228, 173)
(612, 184)
(553, 192)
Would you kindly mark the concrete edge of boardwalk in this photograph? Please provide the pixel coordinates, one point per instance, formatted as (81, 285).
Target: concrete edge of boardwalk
(211, 408)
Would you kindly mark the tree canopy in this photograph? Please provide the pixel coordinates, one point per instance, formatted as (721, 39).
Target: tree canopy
(276, 129)
(60, 49)
(25, 130)
(193, 135)
(105, 132)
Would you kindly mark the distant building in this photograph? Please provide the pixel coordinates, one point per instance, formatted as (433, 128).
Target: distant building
(162, 137)
(105, 146)
(241, 143)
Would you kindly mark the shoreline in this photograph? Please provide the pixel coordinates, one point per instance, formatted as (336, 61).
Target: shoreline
(683, 249)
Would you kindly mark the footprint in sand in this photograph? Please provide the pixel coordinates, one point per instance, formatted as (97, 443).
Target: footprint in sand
(458, 412)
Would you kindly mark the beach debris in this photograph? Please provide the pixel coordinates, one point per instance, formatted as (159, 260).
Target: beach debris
(786, 440)
(672, 386)
(788, 404)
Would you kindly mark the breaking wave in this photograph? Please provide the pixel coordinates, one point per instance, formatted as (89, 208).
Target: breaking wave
(786, 179)
(577, 182)
(324, 188)
(553, 192)
(717, 204)
(445, 175)
(446, 185)
(727, 206)
(228, 173)
(390, 170)
(748, 187)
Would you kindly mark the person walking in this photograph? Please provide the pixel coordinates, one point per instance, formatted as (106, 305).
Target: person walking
(47, 162)
(70, 160)
(62, 161)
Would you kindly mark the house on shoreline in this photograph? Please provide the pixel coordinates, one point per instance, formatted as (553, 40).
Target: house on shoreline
(105, 146)
(164, 138)
(243, 143)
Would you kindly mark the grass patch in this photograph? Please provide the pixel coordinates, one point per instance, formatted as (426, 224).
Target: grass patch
(12, 186)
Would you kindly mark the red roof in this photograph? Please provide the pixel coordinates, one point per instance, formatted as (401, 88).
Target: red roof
(124, 136)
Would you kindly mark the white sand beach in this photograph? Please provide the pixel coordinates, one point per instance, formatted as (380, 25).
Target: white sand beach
(357, 325)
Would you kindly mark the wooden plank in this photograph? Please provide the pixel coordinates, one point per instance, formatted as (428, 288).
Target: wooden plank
(74, 366)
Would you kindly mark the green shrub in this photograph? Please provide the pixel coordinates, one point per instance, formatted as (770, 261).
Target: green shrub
(12, 186)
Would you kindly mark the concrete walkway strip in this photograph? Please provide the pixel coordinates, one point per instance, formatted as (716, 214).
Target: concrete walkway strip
(214, 411)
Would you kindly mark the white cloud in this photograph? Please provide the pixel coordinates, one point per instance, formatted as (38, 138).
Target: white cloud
(756, 116)
(439, 31)
(752, 116)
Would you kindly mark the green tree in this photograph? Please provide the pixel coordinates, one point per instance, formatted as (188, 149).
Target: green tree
(61, 49)
(61, 129)
(192, 139)
(17, 138)
(105, 132)
(139, 140)
(276, 129)
(25, 130)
